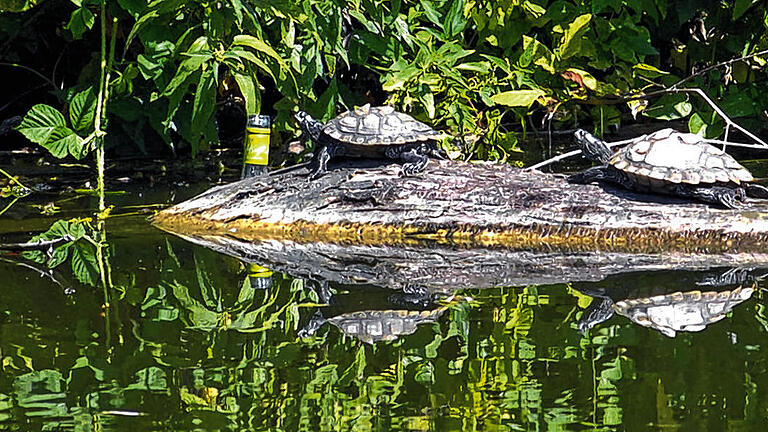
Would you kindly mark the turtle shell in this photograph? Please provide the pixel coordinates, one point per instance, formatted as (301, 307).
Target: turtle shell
(668, 156)
(380, 125)
(689, 311)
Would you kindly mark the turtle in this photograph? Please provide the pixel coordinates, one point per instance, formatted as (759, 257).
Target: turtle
(373, 132)
(672, 163)
(371, 326)
(372, 314)
(689, 311)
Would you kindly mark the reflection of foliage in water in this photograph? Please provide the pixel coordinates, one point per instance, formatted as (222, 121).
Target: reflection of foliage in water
(193, 345)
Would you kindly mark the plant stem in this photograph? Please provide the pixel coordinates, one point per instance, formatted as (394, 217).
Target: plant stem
(12, 178)
(100, 101)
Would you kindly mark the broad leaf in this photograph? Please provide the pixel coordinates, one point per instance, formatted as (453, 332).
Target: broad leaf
(539, 54)
(570, 43)
(202, 108)
(249, 90)
(517, 98)
(258, 45)
(81, 20)
(40, 122)
(82, 110)
(84, 265)
(63, 141)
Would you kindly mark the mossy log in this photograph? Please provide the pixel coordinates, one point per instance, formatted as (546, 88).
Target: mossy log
(465, 205)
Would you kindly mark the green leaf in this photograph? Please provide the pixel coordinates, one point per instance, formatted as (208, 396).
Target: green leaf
(517, 98)
(40, 122)
(84, 265)
(432, 14)
(249, 56)
(479, 67)
(648, 71)
(454, 19)
(187, 67)
(670, 107)
(540, 54)
(741, 6)
(429, 104)
(570, 43)
(81, 20)
(248, 89)
(697, 125)
(258, 45)
(82, 110)
(63, 141)
(202, 107)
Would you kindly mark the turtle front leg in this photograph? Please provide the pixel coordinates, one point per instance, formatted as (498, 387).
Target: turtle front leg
(320, 161)
(414, 161)
(599, 311)
(602, 173)
(725, 196)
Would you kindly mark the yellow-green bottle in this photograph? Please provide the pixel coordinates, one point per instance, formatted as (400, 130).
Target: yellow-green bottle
(259, 277)
(256, 152)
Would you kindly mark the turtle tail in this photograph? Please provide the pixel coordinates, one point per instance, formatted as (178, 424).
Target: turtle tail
(593, 147)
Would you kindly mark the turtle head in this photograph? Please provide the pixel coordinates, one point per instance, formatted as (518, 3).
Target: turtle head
(309, 126)
(580, 135)
(593, 147)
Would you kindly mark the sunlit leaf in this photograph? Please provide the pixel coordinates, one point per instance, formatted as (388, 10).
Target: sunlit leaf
(648, 71)
(569, 44)
(249, 91)
(82, 110)
(517, 98)
(81, 21)
(64, 141)
(539, 54)
(258, 45)
(40, 122)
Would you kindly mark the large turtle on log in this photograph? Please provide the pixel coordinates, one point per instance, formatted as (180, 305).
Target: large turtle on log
(670, 162)
(373, 132)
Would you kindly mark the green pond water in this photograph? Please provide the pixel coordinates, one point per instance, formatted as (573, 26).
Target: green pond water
(185, 338)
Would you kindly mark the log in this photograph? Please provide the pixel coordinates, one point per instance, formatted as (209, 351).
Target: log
(463, 205)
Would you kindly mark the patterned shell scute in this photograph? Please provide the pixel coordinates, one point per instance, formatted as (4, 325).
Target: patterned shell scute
(675, 157)
(378, 126)
(690, 311)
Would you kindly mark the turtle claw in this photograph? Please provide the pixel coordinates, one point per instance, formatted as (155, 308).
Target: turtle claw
(415, 162)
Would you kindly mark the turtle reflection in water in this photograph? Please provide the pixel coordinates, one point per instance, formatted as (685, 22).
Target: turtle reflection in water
(669, 313)
(399, 314)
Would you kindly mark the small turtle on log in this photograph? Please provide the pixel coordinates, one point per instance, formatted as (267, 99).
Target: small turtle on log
(688, 311)
(373, 132)
(670, 162)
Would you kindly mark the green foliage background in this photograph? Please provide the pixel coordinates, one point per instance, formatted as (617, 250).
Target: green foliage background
(486, 71)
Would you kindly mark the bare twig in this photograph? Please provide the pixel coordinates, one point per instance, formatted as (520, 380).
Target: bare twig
(573, 153)
(41, 245)
(722, 114)
(623, 142)
(27, 68)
